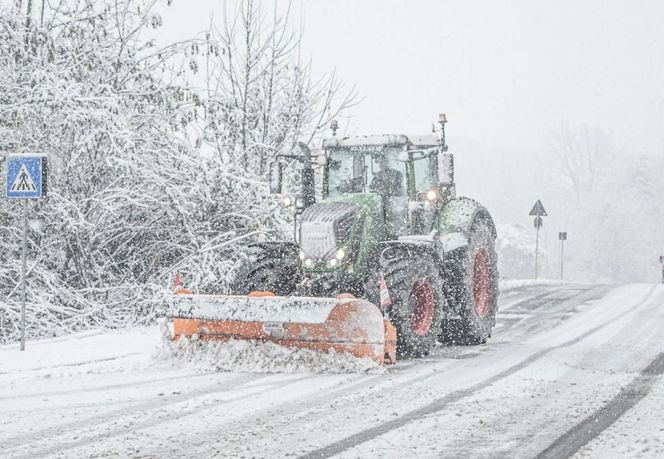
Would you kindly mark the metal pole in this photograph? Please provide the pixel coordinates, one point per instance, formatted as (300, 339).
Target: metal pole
(562, 251)
(24, 263)
(536, 253)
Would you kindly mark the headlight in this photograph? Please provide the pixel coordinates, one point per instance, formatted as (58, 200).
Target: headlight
(333, 262)
(288, 201)
(301, 255)
(432, 195)
(308, 262)
(340, 255)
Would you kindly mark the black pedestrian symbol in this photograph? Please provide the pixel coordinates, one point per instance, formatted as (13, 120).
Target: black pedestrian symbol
(23, 181)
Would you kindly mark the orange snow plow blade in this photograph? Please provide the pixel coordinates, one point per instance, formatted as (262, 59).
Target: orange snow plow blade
(344, 324)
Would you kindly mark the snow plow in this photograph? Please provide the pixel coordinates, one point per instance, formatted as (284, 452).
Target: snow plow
(344, 324)
(386, 226)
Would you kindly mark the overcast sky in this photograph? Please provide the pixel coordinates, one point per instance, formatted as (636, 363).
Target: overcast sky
(505, 72)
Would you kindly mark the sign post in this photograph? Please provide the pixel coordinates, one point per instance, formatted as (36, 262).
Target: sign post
(25, 179)
(538, 212)
(562, 236)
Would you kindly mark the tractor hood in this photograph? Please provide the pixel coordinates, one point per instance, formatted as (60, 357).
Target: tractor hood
(352, 222)
(325, 228)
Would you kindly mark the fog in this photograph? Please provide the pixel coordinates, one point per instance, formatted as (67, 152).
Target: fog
(510, 76)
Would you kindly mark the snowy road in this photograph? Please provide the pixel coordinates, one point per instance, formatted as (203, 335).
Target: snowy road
(571, 370)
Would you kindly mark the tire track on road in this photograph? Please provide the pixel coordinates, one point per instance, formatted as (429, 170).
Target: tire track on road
(71, 364)
(582, 433)
(105, 387)
(284, 412)
(443, 402)
(56, 430)
(538, 316)
(551, 302)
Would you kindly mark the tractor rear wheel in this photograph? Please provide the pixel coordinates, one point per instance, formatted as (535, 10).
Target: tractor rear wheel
(472, 289)
(273, 267)
(417, 299)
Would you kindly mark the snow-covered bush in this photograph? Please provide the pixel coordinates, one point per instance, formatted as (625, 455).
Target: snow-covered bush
(134, 193)
(515, 246)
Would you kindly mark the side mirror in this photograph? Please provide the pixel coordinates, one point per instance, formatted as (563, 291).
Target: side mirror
(276, 177)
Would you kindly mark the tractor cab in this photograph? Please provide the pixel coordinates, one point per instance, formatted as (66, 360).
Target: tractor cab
(374, 189)
(389, 165)
(398, 168)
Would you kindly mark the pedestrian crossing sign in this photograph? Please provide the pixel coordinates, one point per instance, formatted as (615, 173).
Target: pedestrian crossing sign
(26, 176)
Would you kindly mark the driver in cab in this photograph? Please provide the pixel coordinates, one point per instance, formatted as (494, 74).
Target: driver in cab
(387, 181)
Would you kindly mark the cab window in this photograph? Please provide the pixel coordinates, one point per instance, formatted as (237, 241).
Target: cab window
(425, 178)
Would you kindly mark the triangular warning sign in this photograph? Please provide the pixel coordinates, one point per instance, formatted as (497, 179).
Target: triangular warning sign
(23, 181)
(538, 210)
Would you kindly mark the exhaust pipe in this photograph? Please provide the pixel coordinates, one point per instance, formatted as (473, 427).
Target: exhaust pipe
(308, 177)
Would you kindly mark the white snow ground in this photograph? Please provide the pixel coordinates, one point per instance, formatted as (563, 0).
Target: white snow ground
(560, 353)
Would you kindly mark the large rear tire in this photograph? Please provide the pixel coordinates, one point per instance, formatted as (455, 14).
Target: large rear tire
(273, 267)
(472, 289)
(416, 291)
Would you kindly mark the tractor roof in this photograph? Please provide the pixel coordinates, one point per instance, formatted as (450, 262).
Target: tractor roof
(384, 140)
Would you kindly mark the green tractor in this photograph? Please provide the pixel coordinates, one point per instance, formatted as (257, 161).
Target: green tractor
(389, 228)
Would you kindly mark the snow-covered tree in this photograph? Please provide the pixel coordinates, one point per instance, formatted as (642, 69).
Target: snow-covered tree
(259, 100)
(81, 85)
(584, 158)
(132, 200)
(608, 201)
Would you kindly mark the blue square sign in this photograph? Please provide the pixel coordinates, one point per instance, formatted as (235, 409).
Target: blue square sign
(26, 176)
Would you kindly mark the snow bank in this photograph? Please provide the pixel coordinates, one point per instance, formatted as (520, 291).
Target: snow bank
(138, 348)
(79, 350)
(254, 357)
(257, 357)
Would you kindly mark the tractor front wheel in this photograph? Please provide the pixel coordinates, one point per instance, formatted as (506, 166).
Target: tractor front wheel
(273, 267)
(417, 300)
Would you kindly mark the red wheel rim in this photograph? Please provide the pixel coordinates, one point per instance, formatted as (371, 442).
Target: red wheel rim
(425, 306)
(482, 283)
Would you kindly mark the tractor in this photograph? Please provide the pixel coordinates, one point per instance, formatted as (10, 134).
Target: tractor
(386, 225)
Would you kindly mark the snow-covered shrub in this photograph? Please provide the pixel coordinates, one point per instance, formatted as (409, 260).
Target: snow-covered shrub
(134, 195)
(515, 246)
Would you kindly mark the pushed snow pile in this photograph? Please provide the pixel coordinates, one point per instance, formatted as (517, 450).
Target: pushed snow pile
(256, 357)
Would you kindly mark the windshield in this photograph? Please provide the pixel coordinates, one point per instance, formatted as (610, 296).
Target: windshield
(366, 171)
(425, 172)
(346, 172)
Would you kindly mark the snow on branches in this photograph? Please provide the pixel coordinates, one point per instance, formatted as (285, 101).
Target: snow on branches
(133, 198)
